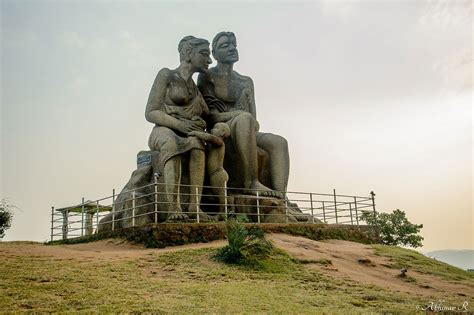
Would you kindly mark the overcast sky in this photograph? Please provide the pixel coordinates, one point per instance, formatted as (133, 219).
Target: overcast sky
(371, 95)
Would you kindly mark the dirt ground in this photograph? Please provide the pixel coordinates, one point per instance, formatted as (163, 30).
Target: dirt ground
(359, 263)
(347, 259)
(104, 250)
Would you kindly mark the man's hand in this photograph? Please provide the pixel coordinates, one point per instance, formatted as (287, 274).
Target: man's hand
(205, 136)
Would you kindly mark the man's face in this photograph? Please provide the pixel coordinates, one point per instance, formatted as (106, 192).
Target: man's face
(200, 58)
(226, 50)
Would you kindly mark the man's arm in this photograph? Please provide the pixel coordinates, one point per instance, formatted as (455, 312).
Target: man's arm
(252, 107)
(216, 116)
(207, 137)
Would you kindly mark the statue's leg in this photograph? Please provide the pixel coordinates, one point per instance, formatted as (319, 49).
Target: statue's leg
(217, 174)
(172, 179)
(197, 162)
(244, 139)
(277, 148)
(218, 179)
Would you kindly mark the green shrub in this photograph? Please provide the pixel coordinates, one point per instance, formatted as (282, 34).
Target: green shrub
(246, 245)
(394, 228)
(6, 216)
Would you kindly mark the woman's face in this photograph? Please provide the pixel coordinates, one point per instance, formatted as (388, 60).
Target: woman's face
(200, 58)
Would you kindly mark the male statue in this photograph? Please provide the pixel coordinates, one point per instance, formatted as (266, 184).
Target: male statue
(230, 97)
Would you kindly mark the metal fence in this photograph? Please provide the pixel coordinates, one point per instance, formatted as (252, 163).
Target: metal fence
(149, 204)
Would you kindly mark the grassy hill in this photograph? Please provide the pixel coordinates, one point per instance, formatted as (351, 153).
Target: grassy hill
(303, 276)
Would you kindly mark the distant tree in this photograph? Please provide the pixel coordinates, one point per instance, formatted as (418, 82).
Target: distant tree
(6, 216)
(394, 228)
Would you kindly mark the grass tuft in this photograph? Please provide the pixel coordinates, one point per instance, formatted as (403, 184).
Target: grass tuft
(247, 246)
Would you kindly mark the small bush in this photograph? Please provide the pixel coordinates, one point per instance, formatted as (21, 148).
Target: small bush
(6, 216)
(246, 245)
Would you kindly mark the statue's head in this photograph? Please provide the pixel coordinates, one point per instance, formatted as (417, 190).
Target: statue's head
(195, 51)
(224, 48)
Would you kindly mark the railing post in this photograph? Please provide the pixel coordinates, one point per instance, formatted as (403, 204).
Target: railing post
(196, 197)
(335, 205)
(156, 197)
(65, 227)
(97, 220)
(350, 209)
(312, 209)
(113, 209)
(133, 208)
(52, 223)
(357, 214)
(82, 221)
(372, 194)
(258, 209)
(324, 213)
(225, 200)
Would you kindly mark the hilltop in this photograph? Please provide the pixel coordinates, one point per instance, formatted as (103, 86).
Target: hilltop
(460, 258)
(303, 276)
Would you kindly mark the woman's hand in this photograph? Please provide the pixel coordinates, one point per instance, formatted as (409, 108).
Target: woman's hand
(198, 120)
(187, 126)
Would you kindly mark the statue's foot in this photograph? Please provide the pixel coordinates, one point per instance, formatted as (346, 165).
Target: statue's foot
(219, 217)
(298, 215)
(203, 216)
(263, 190)
(177, 215)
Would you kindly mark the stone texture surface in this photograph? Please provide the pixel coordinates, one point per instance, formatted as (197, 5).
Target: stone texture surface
(233, 150)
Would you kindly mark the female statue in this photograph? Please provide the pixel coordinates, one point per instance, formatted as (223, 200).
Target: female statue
(176, 107)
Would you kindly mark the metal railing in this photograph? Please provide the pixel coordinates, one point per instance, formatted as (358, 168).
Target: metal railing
(149, 204)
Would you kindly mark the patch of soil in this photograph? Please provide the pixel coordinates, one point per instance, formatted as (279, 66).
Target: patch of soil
(103, 250)
(358, 262)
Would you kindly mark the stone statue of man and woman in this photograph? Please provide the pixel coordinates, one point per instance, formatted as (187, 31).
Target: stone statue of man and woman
(212, 127)
(204, 135)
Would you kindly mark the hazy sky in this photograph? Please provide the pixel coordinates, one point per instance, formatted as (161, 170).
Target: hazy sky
(371, 95)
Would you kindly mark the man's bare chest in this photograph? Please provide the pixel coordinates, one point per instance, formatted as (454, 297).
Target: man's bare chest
(228, 89)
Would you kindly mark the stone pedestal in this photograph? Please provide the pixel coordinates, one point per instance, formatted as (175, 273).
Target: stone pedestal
(271, 210)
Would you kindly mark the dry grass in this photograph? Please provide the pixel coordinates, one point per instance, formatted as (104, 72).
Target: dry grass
(188, 281)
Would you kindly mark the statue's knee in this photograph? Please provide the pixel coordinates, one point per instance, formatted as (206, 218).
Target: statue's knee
(219, 177)
(283, 143)
(245, 118)
(275, 142)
